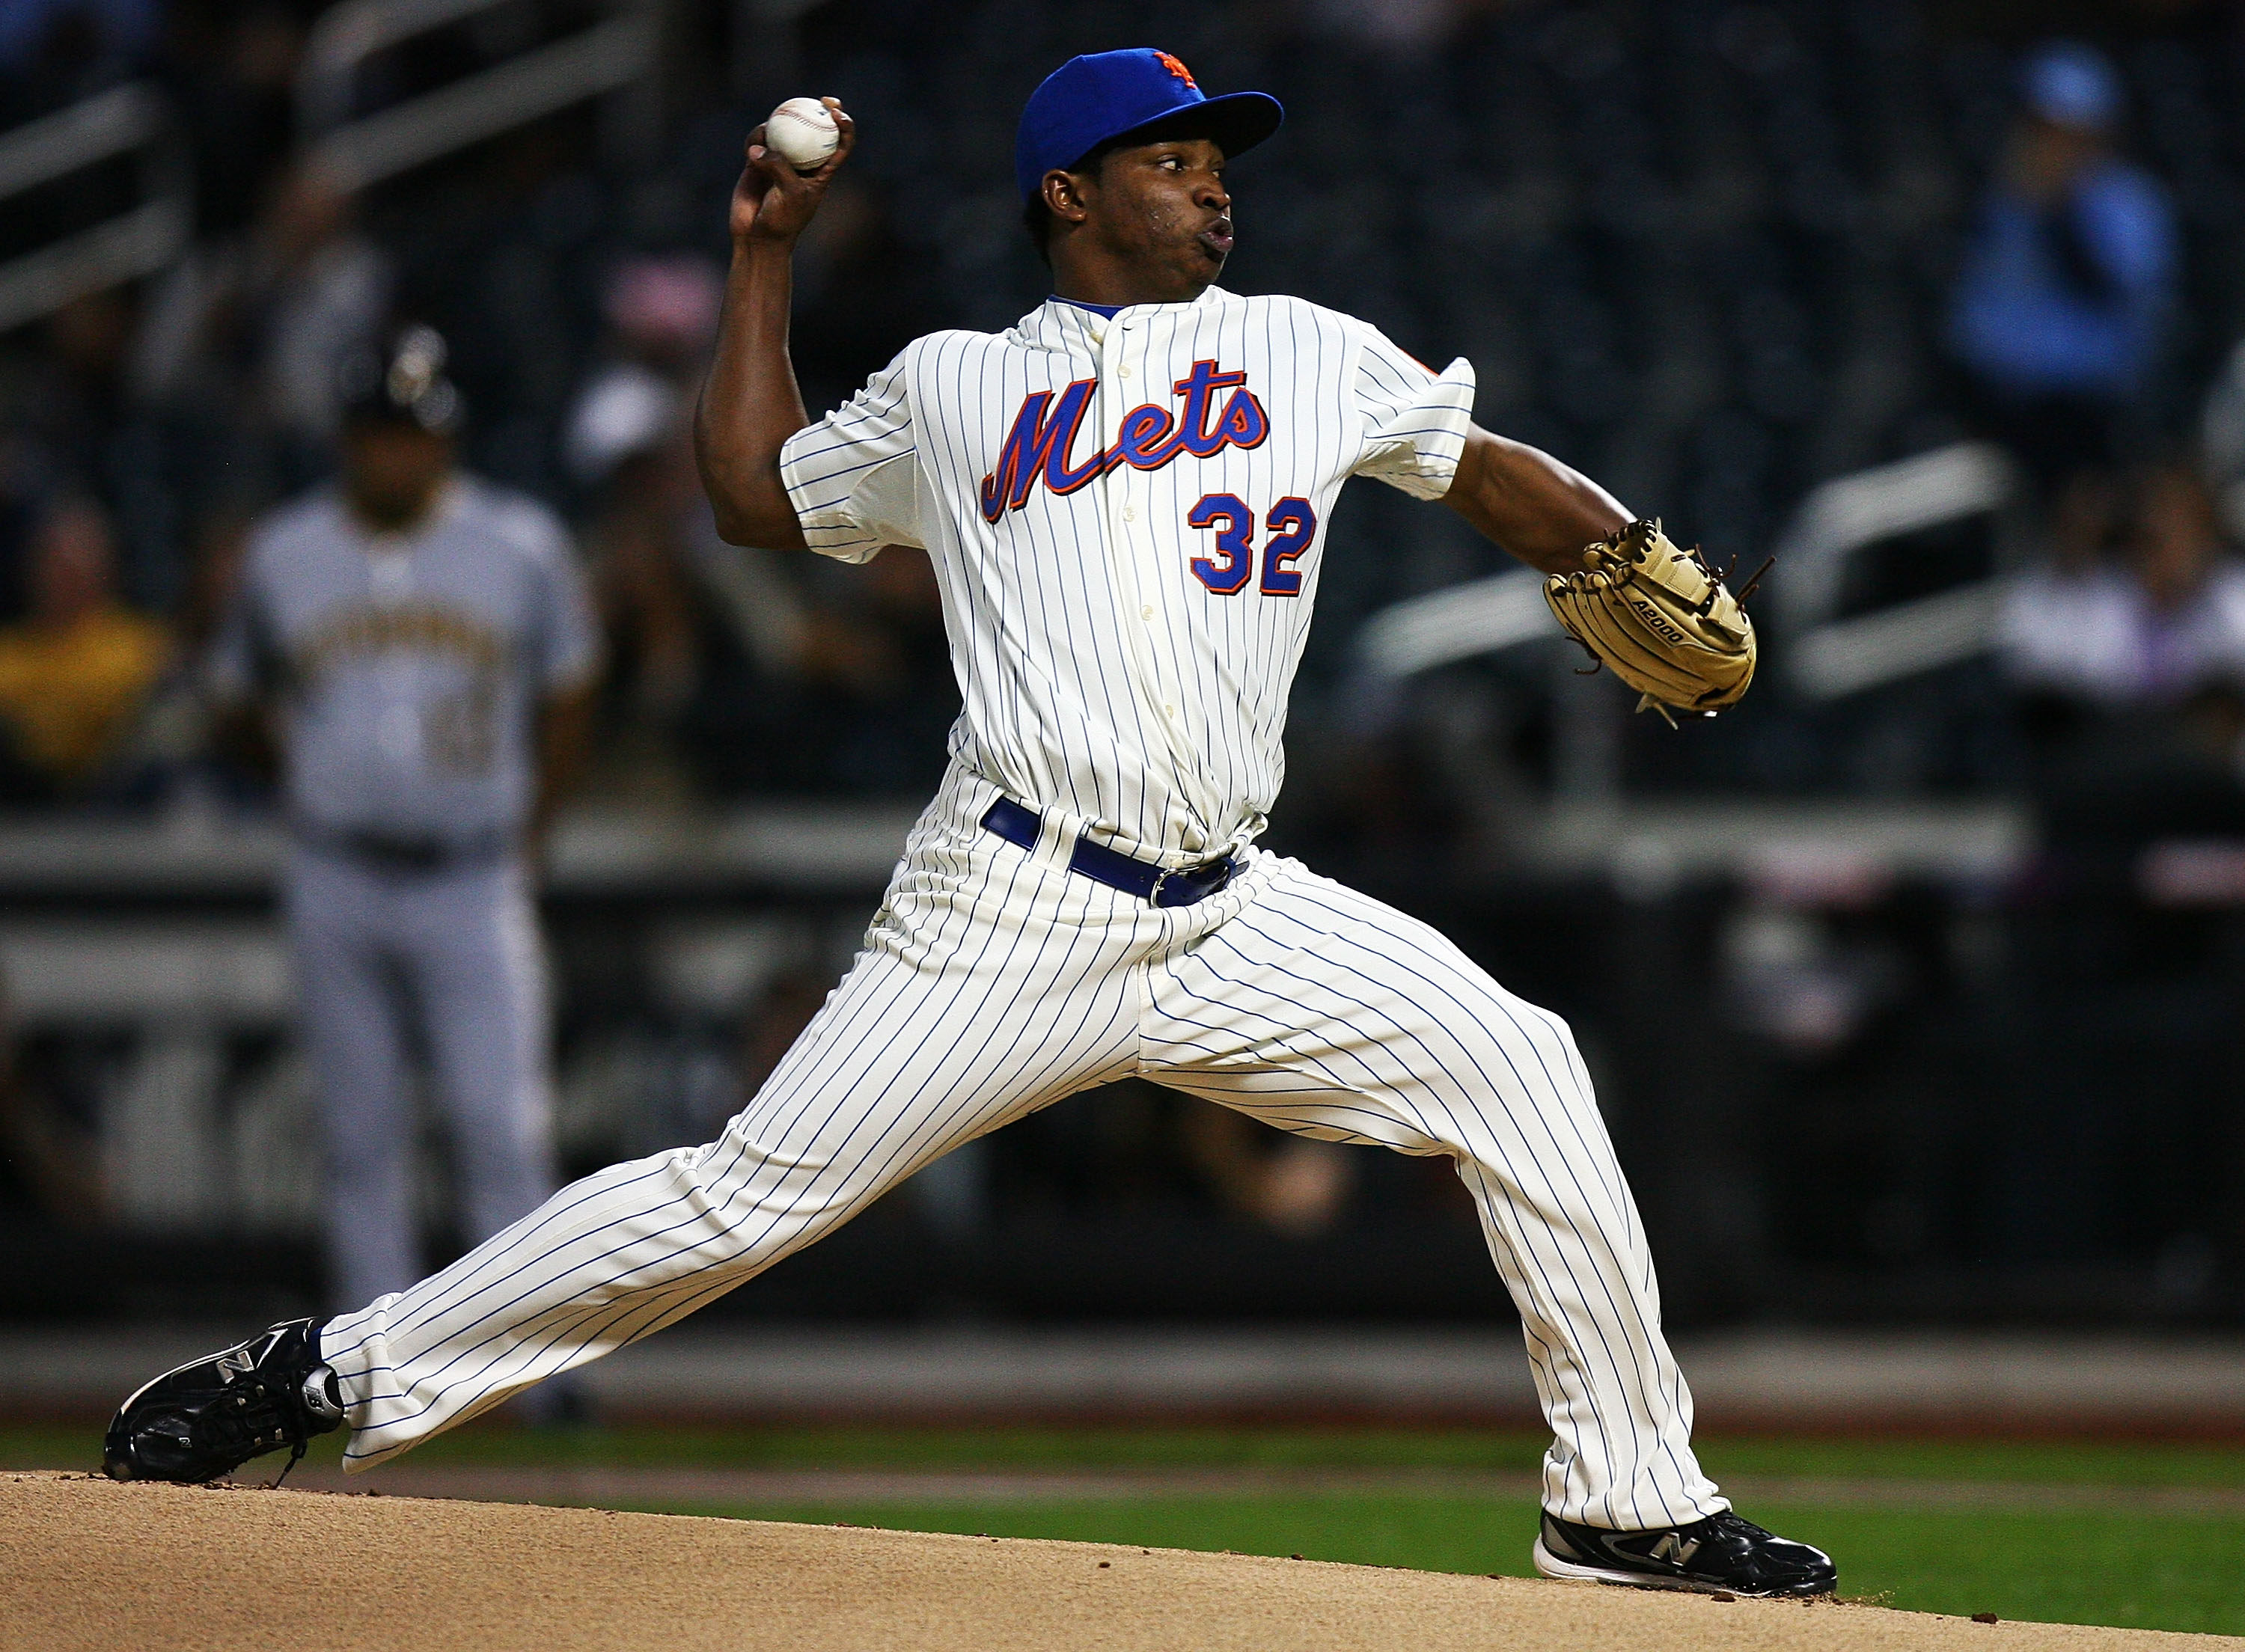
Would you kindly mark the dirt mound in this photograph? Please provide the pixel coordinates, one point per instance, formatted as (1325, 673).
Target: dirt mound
(103, 1568)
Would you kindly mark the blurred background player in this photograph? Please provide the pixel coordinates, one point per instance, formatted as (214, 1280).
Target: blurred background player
(428, 648)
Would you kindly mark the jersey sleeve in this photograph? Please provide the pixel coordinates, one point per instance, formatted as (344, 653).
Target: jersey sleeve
(1413, 419)
(853, 477)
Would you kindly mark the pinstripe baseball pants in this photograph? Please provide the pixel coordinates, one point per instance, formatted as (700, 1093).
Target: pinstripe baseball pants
(994, 982)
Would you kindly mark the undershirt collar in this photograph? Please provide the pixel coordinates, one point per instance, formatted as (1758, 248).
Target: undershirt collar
(1110, 311)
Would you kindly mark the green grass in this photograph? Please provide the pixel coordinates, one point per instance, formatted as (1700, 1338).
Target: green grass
(2085, 1565)
(2019, 1462)
(2076, 1565)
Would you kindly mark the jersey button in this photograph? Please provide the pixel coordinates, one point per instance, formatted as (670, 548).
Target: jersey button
(1123, 371)
(1169, 711)
(1130, 513)
(1146, 612)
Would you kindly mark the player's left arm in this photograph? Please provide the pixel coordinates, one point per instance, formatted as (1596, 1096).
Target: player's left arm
(1533, 506)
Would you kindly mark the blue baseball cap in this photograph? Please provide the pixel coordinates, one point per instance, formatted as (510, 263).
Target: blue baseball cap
(1091, 100)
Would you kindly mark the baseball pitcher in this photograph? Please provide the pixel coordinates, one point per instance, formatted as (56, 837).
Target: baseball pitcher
(1125, 497)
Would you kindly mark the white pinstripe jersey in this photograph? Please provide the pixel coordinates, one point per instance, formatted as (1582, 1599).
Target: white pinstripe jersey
(1126, 516)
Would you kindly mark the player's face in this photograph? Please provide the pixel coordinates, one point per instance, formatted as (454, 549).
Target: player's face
(391, 471)
(1160, 211)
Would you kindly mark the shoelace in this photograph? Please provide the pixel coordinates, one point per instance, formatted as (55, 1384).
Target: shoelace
(261, 1416)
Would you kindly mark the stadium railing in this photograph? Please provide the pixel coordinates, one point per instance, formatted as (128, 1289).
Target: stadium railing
(354, 150)
(1828, 657)
(133, 243)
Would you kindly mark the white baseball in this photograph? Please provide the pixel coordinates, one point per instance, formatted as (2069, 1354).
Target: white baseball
(802, 131)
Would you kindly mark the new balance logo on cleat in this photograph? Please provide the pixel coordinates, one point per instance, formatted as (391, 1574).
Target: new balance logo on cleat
(1675, 1549)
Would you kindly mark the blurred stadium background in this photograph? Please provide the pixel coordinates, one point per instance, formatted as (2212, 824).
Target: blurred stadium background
(1914, 988)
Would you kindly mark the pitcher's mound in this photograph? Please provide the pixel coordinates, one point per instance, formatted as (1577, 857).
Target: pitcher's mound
(118, 1568)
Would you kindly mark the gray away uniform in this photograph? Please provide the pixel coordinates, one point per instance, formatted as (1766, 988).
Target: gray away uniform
(408, 670)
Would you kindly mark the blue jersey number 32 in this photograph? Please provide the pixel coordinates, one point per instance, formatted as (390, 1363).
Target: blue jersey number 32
(1292, 525)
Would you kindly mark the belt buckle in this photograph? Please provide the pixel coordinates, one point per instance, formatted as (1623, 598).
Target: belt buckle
(1154, 895)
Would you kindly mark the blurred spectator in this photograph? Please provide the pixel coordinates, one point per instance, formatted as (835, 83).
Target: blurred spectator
(831, 680)
(2162, 629)
(888, 663)
(2069, 276)
(2132, 687)
(75, 672)
(765, 672)
(68, 412)
(648, 613)
(2131, 680)
(662, 313)
(255, 330)
(627, 445)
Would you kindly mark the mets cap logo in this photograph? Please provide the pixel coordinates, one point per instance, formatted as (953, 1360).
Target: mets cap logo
(1177, 68)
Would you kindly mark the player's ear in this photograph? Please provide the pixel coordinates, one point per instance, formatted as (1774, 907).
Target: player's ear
(1064, 196)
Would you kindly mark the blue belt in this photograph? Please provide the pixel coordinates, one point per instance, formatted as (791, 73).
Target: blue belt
(1017, 823)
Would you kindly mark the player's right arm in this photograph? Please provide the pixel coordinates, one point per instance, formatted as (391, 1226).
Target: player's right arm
(750, 403)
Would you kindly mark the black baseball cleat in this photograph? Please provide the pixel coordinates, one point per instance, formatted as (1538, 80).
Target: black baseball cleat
(1722, 1554)
(210, 1416)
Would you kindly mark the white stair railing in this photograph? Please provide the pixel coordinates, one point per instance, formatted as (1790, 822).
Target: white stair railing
(356, 152)
(136, 242)
(1828, 658)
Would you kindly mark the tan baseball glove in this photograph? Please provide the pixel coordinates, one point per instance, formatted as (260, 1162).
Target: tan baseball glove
(1661, 617)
